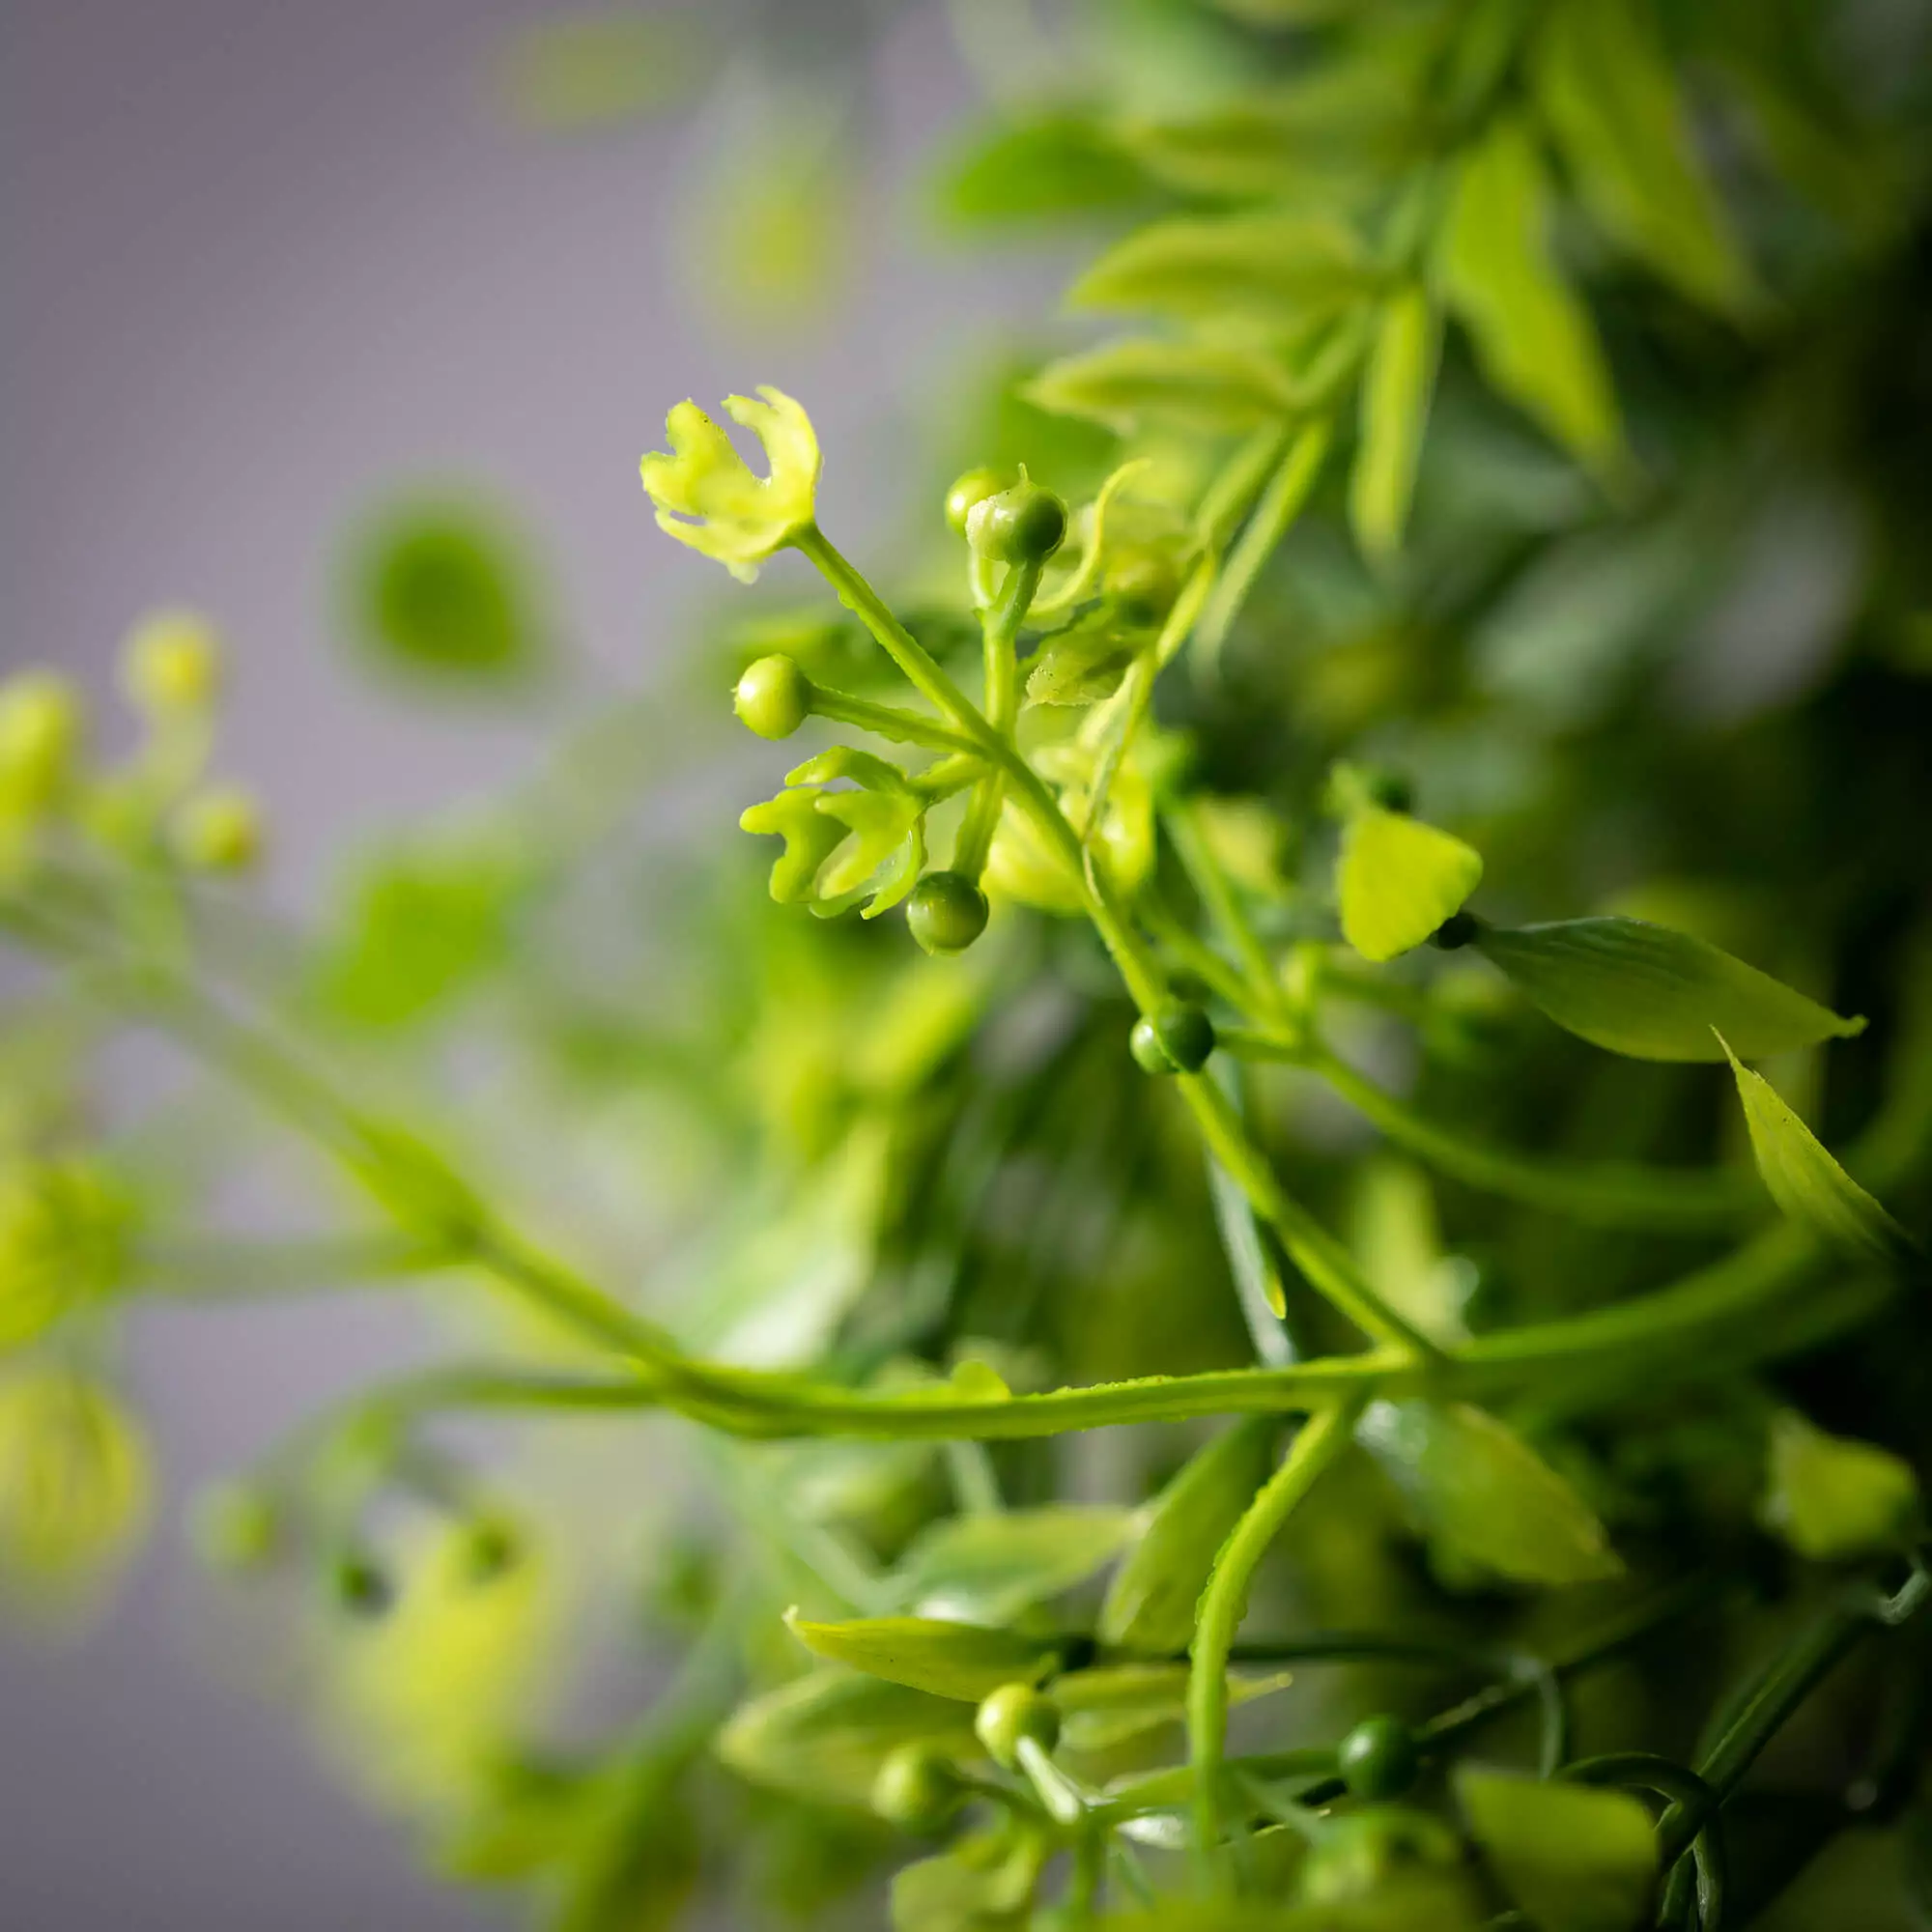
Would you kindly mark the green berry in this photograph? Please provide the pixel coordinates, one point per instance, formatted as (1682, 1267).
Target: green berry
(361, 1587)
(947, 912)
(1379, 1758)
(916, 1789)
(493, 1550)
(971, 490)
(1178, 1038)
(1014, 1714)
(773, 697)
(220, 832)
(1023, 524)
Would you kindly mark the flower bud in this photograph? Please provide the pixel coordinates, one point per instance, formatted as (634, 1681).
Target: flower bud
(947, 912)
(1379, 1758)
(773, 697)
(1023, 524)
(41, 729)
(971, 490)
(220, 832)
(360, 1586)
(916, 1789)
(172, 664)
(237, 1528)
(1178, 1038)
(1014, 1714)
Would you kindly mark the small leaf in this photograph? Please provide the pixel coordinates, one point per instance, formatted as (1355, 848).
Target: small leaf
(1081, 663)
(1395, 410)
(1106, 1707)
(1535, 338)
(1654, 994)
(1150, 1606)
(981, 1884)
(950, 1660)
(810, 837)
(989, 1567)
(824, 1735)
(1831, 1499)
(1398, 879)
(1479, 1491)
(1576, 1857)
(1040, 170)
(1197, 385)
(1274, 267)
(1801, 1176)
(1609, 97)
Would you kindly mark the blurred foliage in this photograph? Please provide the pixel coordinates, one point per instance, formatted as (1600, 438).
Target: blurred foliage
(930, 1400)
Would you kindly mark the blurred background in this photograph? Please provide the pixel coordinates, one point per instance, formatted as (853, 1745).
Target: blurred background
(270, 267)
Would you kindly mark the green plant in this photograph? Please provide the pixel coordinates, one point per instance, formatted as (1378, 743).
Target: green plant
(1367, 1279)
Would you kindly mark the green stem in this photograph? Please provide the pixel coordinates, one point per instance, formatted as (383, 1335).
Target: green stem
(1224, 906)
(1223, 1603)
(1001, 631)
(890, 721)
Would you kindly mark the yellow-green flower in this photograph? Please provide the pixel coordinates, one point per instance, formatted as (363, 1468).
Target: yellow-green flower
(74, 1482)
(708, 496)
(64, 1230)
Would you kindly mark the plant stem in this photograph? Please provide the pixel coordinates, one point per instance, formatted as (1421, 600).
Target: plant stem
(888, 720)
(1001, 631)
(1225, 1602)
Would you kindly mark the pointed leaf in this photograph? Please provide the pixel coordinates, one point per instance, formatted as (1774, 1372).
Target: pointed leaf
(1106, 1707)
(1833, 1498)
(989, 1567)
(1398, 879)
(1395, 411)
(1150, 1606)
(950, 1660)
(1654, 994)
(1475, 1488)
(1534, 337)
(1607, 90)
(1277, 267)
(1801, 1176)
(1197, 385)
(1576, 1857)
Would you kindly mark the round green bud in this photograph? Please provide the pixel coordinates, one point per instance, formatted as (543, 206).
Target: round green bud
(1144, 585)
(172, 663)
(1379, 1758)
(41, 723)
(773, 697)
(492, 1550)
(360, 1586)
(916, 1789)
(1178, 1038)
(971, 490)
(947, 912)
(220, 832)
(1023, 524)
(1012, 1715)
(237, 1528)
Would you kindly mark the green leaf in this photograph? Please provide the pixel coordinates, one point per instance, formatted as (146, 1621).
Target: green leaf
(1274, 267)
(979, 1885)
(1801, 1176)
(1114, 1703)
(950, 1660)
(989, 1567)
(824, 1735)
(1398, 879)
(1654, 994)
(1534, 337)
(1150, 1606)
(1195, 386)
(1477, 1490)
(1607, 90)
(1831, 1499)
(1055, 166)
(810, 837)
(1081, 663)
(441, 588)
(1573, 1856)
(1395, 411)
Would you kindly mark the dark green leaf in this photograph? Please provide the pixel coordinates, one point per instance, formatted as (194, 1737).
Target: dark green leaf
(1643, 990)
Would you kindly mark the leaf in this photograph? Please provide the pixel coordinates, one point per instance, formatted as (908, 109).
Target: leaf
(979, 1885)
(1081, 663)
(1395, 410)
(950, 1660)
(1643, 990)
(989, 1567)
(1475, 1488)
(1044, 169)
(1109, 1706)
(1398, 879)
(1534, 336)
(824, 1735)
(1833, 1498)
(1274, 267)
(1195, 386)
(441, 587)
(1575, 1857)
(1150, 1606)
(1801, 1176)
(1607, 90)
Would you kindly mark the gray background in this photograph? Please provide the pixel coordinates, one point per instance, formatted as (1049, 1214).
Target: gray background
(265, 260)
